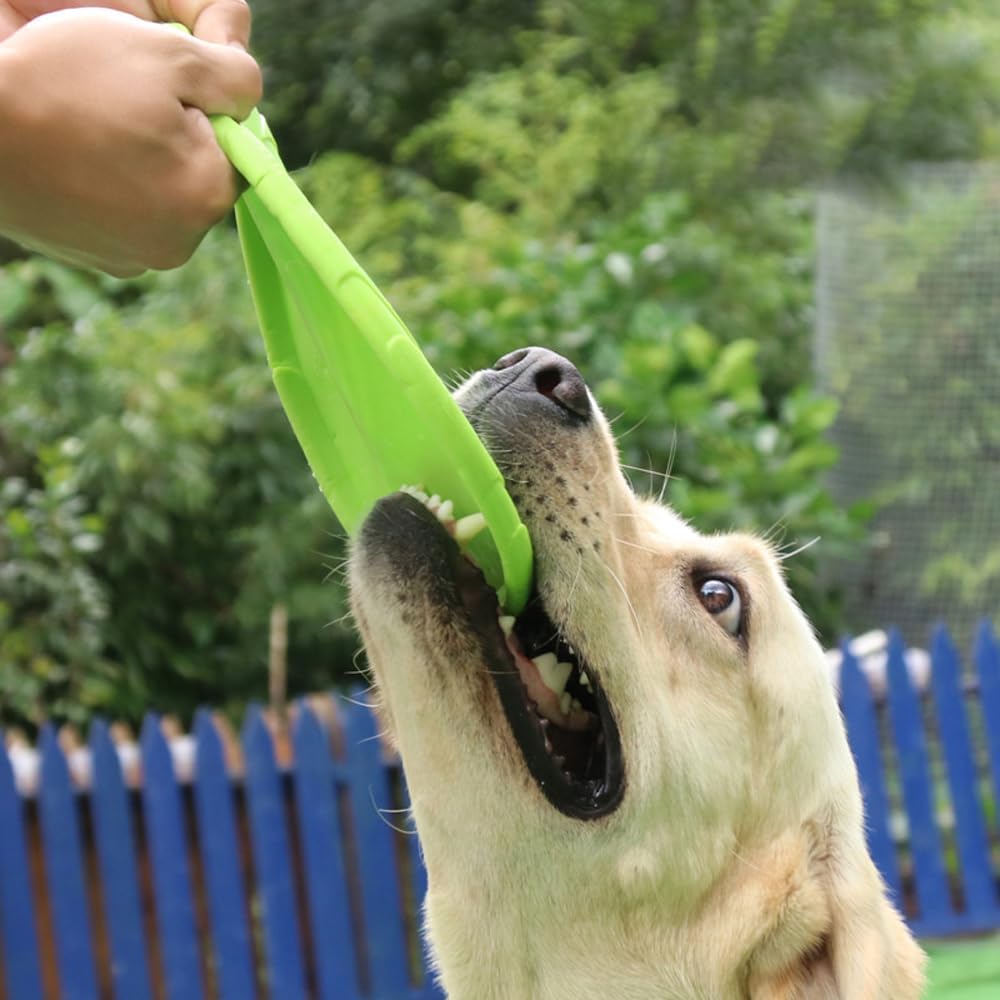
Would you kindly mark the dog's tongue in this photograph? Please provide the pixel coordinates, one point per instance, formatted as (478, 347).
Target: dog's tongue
(546, 700)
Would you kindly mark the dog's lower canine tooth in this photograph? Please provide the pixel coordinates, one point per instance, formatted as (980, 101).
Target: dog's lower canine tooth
(466, 528)
(506, 624)
(446, 511)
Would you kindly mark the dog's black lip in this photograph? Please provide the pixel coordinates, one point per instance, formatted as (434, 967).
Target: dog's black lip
(585, 801)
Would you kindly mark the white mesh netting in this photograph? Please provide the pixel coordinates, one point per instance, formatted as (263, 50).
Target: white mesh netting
(908, 340)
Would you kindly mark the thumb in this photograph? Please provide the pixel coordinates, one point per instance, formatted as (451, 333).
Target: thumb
(225, 22)
(218, 79)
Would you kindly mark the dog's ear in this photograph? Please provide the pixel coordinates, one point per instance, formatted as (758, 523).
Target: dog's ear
(865, 951)
(872, 954)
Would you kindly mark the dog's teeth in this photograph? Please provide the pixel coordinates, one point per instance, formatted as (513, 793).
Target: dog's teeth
(554, 674)
(565, 702)
(546, 664)
(446, 512)
(506, 624)
(559, 759)
(576, 705)
(414, 491)
(466, 528)
(584, 679)
(433, 503)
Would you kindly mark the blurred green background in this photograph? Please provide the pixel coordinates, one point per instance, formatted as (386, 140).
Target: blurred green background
(629, 182)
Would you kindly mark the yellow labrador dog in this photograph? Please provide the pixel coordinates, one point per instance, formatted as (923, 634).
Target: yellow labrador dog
(641, 788)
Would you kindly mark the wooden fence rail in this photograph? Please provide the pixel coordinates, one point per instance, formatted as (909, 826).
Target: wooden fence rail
(280, 871)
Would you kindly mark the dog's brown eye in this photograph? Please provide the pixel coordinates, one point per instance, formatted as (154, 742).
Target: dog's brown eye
(722, 600)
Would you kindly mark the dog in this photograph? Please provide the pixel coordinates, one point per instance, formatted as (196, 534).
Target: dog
(641, 787)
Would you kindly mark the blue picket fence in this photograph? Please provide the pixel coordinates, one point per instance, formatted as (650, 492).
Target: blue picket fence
(286, 882)
(930, 774)
(290, 879)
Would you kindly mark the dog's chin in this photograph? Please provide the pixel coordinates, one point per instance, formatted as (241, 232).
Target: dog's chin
(573, 751)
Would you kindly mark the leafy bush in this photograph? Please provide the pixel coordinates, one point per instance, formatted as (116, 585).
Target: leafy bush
(155, 506)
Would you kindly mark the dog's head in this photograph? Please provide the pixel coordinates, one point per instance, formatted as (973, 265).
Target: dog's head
(660, 708)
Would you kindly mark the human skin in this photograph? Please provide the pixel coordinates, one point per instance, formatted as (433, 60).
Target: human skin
(107, 157)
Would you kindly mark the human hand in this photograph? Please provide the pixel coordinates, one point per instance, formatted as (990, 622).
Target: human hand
(225, 22)
(108, 159)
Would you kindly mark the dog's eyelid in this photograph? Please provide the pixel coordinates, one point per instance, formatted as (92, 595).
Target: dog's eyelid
(731, 617)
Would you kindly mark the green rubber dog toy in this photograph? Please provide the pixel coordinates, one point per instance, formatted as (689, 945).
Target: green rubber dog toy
(367, 408)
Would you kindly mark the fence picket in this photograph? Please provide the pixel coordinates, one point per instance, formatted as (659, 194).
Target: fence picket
(62, 844)
(272, 860)
(168, 855)
(382, 903)
(430, 989)
(915, 775)
(972, 840)
(220, 852)
(22, 971)
(326, 875)
(116, 855)
(987, 657)
(862, 732)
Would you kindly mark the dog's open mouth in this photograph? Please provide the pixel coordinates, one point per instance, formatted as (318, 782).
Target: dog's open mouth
(553, 701)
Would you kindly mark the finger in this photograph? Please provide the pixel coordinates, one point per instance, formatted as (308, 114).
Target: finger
(217, 79)
(30, 9)
(225, 22)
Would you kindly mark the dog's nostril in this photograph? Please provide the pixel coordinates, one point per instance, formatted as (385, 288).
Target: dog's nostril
(562, 383)
(509, 360)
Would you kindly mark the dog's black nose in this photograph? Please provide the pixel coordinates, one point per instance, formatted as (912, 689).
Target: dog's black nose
(536, 369)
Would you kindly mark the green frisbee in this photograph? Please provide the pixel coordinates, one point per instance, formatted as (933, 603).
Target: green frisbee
(367, 408)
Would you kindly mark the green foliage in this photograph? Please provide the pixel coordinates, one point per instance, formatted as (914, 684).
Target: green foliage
(626, 181)
(359, 74)
(155, 506)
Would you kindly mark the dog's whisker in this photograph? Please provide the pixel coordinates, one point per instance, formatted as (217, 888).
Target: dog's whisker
(628, 601)
(776, 530)
(370, 705)
(785, 556)
(338, 621)
(646, 471)
(635, 545)
(634, 427)
(380, 812)
(668, 475)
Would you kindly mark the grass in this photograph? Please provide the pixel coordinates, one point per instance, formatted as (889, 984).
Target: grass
(964, 970)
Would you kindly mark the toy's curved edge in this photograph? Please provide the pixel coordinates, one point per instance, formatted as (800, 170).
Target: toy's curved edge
(247, 146)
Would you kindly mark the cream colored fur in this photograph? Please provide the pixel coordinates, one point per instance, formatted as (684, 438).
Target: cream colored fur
(735, 867)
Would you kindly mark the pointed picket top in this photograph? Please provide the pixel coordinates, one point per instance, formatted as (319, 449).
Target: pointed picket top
(272, 860)
(168, 856)
(116, 854)
(907, 725)
(327, 879)
(62, 844)
(382, 900)
(987, 657)
(858, 707)
(897, 674)
(982, 907)
(220, 852)
(22, 970)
